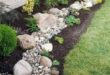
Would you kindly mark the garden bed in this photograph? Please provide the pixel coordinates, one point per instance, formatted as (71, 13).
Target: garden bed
(71, 36)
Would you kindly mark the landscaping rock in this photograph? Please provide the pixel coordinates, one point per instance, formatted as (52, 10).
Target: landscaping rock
(87, 3)
(26, 41)
(12, 4)
(47, 47)
(54, 71)
(65, 11)
(54, 11)
(45, 61)
(76, 6)
(45, 21)
(60, 13)
(22, 68)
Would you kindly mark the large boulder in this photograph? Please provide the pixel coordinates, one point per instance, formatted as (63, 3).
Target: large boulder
(45, 61)
(45, 21)
(26, 41)
(22, 68)
(12, 4)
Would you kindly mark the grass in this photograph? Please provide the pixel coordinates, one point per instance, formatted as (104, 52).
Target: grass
(91, 56)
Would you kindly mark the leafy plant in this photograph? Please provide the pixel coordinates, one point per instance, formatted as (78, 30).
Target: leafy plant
(59, 39)
(71, 20)
(8, 40)
(31, 24)
(47, 54)
(29, 6)
(55, 63)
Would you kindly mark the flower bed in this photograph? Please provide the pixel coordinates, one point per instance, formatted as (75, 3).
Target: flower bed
(37, 57)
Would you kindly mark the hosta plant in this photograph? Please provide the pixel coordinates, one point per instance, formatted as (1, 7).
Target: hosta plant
(71, 20)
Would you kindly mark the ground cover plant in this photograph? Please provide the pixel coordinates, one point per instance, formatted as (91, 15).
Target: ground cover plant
(91, 55)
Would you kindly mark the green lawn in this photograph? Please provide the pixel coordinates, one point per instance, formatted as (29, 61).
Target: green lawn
(91, 56)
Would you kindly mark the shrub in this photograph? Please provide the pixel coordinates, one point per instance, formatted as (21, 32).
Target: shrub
(71, 20)
(51, 3)
(31, 24)
(8, 40)
(29, 6)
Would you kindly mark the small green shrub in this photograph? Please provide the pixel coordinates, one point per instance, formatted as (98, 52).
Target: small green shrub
(8, 40)
(47, 54)
(31, 24)
(71, 20)
(59, 39)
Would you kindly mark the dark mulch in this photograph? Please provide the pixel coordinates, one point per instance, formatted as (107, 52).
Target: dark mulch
(7, 63)
(71, 36)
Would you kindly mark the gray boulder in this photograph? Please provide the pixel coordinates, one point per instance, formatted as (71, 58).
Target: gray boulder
(22, 68)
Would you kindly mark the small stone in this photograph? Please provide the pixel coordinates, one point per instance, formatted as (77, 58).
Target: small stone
(45, 61)
(40, 67)
(47, 47)
(54, 72)
(76, 6)
(47, 70)
(22, 68)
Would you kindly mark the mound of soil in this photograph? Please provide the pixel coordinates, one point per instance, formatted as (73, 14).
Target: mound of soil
(71, 36)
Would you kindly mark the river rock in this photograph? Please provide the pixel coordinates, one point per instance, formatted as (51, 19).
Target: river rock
(45, 61)
(47, 47)
(22, 68)
(26, 41)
